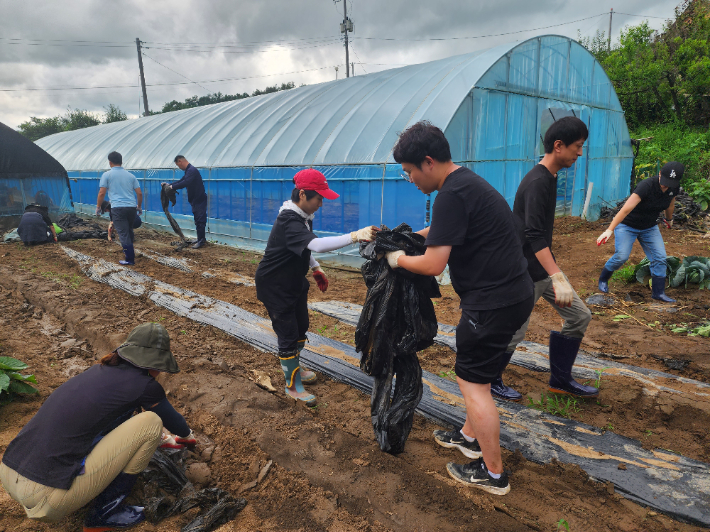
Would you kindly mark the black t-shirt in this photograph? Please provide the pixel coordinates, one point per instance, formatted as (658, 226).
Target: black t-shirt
(280, 276)
(534, 207)
(487, 267)
(51, 447)
(653, 201)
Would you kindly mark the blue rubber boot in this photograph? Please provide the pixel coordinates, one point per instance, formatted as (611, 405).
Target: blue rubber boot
(290, 366)
(307, 376)
(108, 512)
(500, 390)
(604, 280)
(130, 254)
(658, 290)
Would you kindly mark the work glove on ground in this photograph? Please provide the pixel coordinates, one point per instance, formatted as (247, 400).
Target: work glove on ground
(392, 258)
(187, 440)
(168, 442)
(366, 234)
(321, 279)
(564, 293)
(605, 236)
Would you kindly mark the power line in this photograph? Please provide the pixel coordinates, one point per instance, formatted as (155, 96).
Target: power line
(217, 49)
(178, 73)
(641, 16)
(164, 84)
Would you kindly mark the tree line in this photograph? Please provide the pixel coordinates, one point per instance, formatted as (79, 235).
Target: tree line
(36, 128)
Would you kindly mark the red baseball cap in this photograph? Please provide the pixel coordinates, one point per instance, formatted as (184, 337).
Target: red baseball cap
(311, 179)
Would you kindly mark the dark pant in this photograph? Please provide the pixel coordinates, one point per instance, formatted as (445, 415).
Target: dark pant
(199, 212)
(123, 219)
(290, 323)
(482, 338)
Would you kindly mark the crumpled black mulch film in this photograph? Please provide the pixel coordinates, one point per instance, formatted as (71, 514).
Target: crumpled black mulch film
(397, 320)
(165, 472)
(75, 228)
(168, 195)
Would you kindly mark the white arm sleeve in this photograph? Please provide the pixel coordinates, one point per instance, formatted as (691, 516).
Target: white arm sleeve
(329, 243)
(313, 263)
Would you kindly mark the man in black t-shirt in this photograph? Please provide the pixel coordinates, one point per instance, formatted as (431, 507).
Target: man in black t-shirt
(534, 206)
(637, 220)
(474, 232)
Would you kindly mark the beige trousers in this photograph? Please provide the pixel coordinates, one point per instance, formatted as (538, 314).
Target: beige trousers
(126, 449)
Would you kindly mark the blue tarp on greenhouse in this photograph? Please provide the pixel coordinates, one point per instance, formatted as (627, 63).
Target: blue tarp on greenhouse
(29, 175)
(494, 106)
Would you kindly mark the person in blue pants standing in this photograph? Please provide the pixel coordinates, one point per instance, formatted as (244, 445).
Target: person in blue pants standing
(196, 197)
(638, 220)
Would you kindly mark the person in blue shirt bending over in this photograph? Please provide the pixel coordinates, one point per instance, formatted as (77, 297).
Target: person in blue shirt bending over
(196, 197)
(126, 200)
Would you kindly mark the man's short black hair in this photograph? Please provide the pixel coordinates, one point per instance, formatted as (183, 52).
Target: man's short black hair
(115, 158)
(569, 130)
(419, 141)
(296, 194)
(178, 157)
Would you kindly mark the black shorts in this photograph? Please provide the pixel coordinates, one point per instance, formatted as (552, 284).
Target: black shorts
(482, 338)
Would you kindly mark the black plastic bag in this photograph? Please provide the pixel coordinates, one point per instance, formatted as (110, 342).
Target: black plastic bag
(397, 320)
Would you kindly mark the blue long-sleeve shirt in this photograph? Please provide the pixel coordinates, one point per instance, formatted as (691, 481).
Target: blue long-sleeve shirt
(192, 181)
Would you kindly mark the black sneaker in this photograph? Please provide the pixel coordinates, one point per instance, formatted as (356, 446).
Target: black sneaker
(453, 439)
(476, 475)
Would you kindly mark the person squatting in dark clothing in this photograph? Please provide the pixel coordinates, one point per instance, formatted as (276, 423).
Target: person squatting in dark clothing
(281, 283)
(534, 206)
(85, 444)
(35, 226)
(126, 200)
(638, 220)
(196, 197)
(474, 231)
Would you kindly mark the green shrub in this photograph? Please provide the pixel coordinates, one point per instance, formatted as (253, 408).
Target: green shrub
(626, 274)
(11, 381)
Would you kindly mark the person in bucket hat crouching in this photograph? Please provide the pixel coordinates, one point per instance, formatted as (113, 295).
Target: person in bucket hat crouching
(85, 444)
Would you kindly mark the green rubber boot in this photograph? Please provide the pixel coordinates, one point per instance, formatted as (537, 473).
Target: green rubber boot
(307, 376)
(294, 387)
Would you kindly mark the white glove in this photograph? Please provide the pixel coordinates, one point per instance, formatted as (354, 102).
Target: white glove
(604, 238)
(98, 211)
(366, 234)
(139, 211)
(564, 293)
(392, 258)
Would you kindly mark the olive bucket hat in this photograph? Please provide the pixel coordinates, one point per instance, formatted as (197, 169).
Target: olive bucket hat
(148, 347)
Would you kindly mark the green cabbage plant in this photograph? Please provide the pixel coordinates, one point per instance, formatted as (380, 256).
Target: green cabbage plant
(12, 382)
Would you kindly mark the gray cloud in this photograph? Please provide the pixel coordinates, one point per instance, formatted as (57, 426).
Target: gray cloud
(118, 23)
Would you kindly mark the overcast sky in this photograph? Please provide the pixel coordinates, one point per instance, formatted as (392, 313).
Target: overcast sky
(268, 41)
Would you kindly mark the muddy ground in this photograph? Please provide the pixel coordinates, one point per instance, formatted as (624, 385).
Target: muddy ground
(328, 472)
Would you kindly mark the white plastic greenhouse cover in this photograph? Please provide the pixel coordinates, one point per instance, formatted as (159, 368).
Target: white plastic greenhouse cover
(350, 121)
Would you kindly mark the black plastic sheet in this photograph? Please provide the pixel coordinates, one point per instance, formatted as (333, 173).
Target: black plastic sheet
(165, 477)
(397, 320)
(75, 228)
(168, 195)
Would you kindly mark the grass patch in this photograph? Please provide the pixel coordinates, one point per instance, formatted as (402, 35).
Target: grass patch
(556, 405)
(626, 274)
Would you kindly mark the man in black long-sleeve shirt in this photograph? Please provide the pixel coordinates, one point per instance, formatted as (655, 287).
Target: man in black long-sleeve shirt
(535, 207)
(196, 197)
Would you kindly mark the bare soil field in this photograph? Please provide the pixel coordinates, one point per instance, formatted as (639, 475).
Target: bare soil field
(328, 473)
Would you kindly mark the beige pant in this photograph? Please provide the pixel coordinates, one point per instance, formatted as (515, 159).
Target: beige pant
(577, 317)
(128, 449)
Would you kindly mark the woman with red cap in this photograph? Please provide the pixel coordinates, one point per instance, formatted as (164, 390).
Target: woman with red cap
(281, 283)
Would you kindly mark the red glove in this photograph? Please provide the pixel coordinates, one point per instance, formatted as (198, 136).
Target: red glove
(321, 279)
(168, 442)
(187, 440)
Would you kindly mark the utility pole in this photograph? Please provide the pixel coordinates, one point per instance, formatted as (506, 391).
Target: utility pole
(146, 112)
(345, 27)
(336, 73)
(352, 69)
(608, 45)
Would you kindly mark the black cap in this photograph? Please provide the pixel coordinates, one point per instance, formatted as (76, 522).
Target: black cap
(671, 174)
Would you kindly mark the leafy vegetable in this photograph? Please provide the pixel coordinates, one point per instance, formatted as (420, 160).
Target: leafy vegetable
(12, 382)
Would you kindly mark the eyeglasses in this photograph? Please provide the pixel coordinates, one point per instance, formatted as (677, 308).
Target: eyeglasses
(406, 177)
